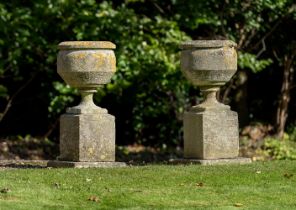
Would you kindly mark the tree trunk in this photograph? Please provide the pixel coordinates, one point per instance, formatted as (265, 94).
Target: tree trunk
(283, 105)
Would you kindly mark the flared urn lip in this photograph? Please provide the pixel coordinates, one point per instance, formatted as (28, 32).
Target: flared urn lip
(205, 44)
(76, 45)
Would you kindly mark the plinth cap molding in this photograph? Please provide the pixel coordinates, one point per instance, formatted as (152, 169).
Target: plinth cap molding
(69, 45)
(196, 44)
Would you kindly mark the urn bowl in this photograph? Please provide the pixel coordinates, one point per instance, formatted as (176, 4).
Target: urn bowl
(208, 62)
(86, 64)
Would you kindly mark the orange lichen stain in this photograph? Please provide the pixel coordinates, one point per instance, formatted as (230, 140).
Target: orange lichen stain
(99, 58)
(81, 55)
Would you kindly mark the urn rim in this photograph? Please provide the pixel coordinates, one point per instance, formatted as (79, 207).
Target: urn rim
(204, 44)
(68, 45)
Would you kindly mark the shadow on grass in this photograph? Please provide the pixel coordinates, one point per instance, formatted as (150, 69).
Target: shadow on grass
(29, 152)
(141, 155)
(22, 164)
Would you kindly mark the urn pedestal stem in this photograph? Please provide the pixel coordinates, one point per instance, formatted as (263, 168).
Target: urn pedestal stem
(209, 100)
(87, 98)
(210, 95)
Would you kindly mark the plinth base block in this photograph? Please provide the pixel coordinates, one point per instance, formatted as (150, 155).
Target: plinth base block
(211, 134)
(72, 164)
(224, 161)
(87, 138)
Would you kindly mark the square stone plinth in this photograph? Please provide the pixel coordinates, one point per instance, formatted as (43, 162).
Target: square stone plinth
(72, 164)
(225, 161)
(87, 137)
(211, 134)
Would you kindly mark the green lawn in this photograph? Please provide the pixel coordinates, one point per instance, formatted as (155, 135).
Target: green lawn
(262, 185)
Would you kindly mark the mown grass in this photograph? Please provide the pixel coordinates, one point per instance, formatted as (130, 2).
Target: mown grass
(262, 185)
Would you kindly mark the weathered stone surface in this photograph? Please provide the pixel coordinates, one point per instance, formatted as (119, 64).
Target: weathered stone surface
(86, 68)
(72, 164)
(86, 65)
(208, 62)
(87, 132)
(211, 134)
(87, 137)
(210, 128)
(225, 161)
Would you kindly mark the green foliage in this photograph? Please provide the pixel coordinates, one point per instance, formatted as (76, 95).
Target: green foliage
(291, 132)
(148, 93)
(245, 22)
(3, 91)
(62, 99)
(250, 61)
(279, 150)
(147, 74)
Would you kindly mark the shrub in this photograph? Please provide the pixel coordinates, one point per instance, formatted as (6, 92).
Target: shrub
(279, 150)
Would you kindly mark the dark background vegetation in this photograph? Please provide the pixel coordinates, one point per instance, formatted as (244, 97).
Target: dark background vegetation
(148, 93)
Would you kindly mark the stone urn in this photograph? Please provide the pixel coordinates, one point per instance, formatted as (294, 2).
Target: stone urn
(209, 64)
(86, 65)
(210, 128)
(87, 132)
